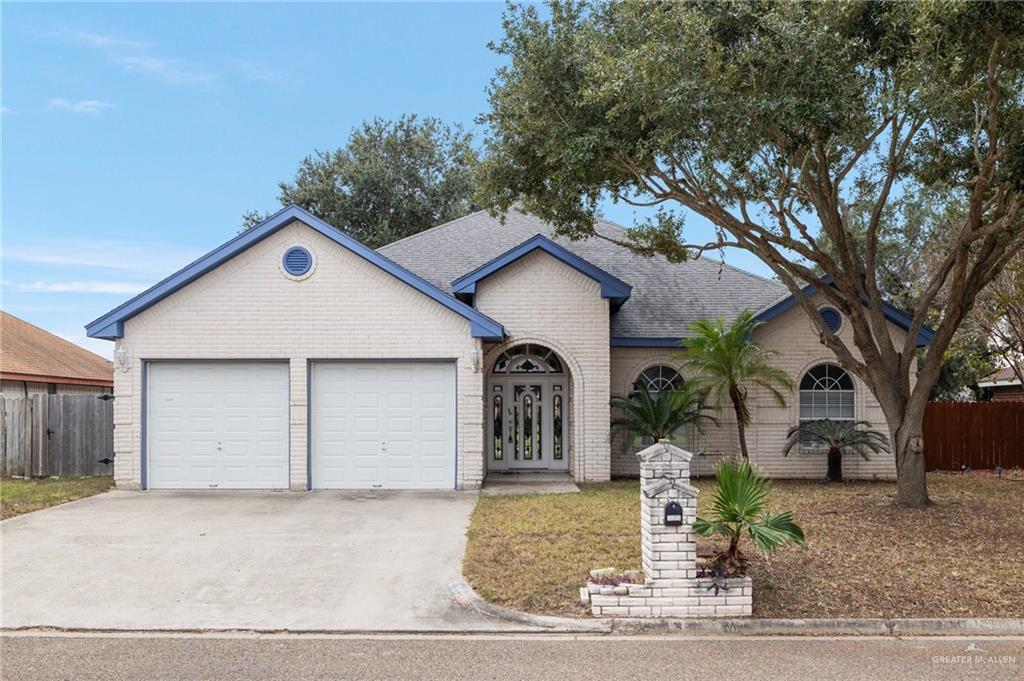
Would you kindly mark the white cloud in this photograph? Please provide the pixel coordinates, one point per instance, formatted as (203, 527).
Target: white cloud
(151, 260)
(118, 287)
(138, 56)
(106, 42)
(81, 106)
(172, 71)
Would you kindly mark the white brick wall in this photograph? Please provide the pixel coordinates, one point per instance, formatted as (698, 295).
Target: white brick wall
(247, 309)
(539, 299)
(794, 337)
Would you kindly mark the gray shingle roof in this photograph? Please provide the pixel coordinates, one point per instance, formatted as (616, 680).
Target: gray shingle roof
(667, 297)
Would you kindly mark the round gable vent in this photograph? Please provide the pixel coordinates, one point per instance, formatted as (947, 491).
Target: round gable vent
(833, 320)
(297, 261)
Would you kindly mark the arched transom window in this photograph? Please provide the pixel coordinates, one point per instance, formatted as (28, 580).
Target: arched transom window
(657, 378)
(528, 359)
(826, 392)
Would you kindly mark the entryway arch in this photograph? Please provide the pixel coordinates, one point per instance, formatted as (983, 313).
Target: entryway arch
(528, 407)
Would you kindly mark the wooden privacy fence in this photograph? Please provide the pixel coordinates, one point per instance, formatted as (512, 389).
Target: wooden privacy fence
(56, 435)
(974, 434)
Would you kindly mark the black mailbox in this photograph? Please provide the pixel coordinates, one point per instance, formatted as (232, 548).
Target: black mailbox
(673, 513)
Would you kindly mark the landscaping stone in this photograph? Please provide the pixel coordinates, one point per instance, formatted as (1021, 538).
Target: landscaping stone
(671, 586)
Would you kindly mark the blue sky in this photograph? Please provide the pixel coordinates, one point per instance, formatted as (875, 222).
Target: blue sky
(135, 135)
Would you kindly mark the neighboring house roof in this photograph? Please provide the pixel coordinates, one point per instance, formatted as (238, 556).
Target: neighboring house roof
(1001, 378)
(28, 353)
(892, 313)
(666, 297)
(111, 325)
(612, 288)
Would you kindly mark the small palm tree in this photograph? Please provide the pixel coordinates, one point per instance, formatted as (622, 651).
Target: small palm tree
(841, 437)
(724, 360)
(656, 415)
(740, 508)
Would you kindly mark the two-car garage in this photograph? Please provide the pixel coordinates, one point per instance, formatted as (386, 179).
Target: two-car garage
(371, 425)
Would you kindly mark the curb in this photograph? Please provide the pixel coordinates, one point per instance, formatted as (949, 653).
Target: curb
(464, 595)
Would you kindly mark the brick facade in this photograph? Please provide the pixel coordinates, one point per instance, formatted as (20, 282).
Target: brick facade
(347, 308)
(793, 336)
(541, 300)
(249, 309)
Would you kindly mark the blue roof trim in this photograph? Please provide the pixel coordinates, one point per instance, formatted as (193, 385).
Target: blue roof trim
(898, 317)
(612, 288)
(646, 342)
(111, 325)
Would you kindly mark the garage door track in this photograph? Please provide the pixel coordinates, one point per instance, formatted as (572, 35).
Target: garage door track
(240, 560)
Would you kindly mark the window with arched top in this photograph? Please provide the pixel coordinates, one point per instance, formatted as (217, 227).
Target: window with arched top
(657, 378)
(528, 359)
(826, 392)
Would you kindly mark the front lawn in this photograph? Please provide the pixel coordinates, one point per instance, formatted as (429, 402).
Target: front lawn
(19, 496)
(962, 557)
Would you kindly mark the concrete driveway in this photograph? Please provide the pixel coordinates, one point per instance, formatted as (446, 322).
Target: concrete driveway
(246, 560)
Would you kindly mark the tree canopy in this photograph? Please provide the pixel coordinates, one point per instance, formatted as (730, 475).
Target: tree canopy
(771, 120)
(390, 180)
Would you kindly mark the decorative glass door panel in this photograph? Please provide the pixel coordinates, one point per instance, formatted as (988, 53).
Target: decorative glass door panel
(527, 425)
(528, 410)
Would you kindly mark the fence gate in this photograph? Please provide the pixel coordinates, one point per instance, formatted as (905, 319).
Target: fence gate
(62, 435)
(974, 434)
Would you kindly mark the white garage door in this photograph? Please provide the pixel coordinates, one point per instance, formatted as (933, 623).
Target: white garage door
(386, 425)
(217, 425)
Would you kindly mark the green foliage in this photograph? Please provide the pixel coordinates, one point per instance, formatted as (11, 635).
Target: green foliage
(772, 120)
(849, 437)
(658, 415)
(391, 179)
(723, 361)
(740, 507)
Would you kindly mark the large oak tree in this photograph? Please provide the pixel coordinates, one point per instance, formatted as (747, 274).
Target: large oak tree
(772, 119)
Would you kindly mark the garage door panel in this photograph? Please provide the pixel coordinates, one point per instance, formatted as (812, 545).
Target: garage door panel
(397, 428)
(220, 425)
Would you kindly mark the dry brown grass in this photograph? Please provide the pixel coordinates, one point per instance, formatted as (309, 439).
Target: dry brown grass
(19, 496)
(962, 557)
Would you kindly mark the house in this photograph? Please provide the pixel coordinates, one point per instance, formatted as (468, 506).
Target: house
(294, 356)
(36, 362)
(1004, 384)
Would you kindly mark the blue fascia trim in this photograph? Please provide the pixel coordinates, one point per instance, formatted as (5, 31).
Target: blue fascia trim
(646, 342)
(111, 325)
(898, 317)
(612, 288)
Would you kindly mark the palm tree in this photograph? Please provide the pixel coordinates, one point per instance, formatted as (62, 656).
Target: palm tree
(656, 415)
(724, 360)
(740, 507)
(840, 437)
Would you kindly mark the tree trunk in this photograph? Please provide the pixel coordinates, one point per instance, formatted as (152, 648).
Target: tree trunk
(835, 465)
(737, 405)
(911, 484)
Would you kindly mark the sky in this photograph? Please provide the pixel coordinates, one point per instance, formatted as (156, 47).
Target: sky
(134, 136)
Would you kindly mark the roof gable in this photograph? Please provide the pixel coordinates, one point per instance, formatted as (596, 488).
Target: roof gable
(892, 313)
(111, 325)
(612, 288)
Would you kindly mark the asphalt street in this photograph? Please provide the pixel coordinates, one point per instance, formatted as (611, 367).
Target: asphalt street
(115, 657)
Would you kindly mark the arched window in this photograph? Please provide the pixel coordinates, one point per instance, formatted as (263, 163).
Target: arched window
(528, 359)
(826, 392)
(657, 378)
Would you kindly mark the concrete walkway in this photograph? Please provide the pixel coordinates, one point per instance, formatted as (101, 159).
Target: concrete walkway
(246, 560)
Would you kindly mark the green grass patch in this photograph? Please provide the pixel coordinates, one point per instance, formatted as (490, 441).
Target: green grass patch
(18, 496)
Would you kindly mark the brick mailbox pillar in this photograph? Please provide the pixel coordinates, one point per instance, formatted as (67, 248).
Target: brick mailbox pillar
(671, 585)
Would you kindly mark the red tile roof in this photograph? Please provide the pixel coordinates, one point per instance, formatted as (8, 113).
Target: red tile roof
(28, 353)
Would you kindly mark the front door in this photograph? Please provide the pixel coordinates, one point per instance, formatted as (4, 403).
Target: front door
(528, 426)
